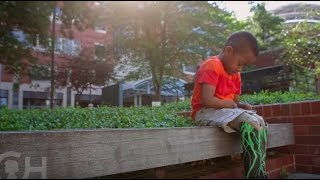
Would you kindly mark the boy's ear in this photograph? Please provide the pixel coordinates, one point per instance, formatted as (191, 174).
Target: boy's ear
(228, 50)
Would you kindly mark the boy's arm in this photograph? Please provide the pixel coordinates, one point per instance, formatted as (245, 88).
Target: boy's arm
(209, 100)
(242, 105)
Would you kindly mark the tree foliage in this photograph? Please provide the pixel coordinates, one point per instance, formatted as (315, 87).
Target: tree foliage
(266, 27)
(80, 72)
(157, 37)
(302, 46)
(20, 21)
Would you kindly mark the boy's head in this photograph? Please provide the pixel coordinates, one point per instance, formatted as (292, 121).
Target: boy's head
(241, 49)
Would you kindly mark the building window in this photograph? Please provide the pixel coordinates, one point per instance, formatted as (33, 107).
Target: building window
(58, 16)
(3, 98)
(15, 99)
(67, 46)
(36, 43)
(100, 52)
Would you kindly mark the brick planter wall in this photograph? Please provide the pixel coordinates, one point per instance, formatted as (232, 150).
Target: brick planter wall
(305, 117)
(276, 168)
(222, 168)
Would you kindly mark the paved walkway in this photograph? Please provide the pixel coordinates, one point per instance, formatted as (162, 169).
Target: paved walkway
(303, 176)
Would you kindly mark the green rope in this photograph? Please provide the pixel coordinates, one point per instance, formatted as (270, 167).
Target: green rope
(254, 144)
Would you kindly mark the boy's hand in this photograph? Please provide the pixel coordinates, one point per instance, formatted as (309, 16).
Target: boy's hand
(246, 106)
(230, 104)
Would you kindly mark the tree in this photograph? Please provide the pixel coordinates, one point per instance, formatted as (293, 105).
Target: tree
(81, 72)
(302, 45)
(157, 37)
(73, 14)
(20, 22)
(265, 26)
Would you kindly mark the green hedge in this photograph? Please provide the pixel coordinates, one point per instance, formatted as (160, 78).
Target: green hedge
(266, 97)
(115, 117)
(102, 117)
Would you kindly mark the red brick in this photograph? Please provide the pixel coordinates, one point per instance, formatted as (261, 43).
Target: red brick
(302, 159)
(274, 174)
(301, 149)
(316, 169)
(278, 162)
(289, 149)
(267, 111)
(287, 160)
(314, 150)
(306, 120)
(303, 168)
(278, 174)
(307, 160)
(276, 110)
(278, 120)
(285, 110)
(259, 110)
(272, 164)
(315, 107)
(314, 130)
(286, 120)
(160, 173)
(273, 120)
(315, 160)
(311, 140)
(291, 169)
(300, 130)
(305, 108)
(233, 173)
(295, 109)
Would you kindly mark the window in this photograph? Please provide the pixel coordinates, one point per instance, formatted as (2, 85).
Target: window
(67, 45)
(100, 52)
(58, 16)
(3, 98)
(71, 47)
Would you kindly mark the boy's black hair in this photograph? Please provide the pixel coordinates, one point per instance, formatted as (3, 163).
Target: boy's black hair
(242, 40)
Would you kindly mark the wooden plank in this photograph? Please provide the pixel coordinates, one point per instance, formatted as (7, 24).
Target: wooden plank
(100, 152)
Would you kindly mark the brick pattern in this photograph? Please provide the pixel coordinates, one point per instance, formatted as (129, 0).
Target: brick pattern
(276, 166)
(305, 117)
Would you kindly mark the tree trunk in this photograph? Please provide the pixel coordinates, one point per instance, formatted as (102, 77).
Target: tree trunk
(52, 55)
(77, 99)
(157, 91)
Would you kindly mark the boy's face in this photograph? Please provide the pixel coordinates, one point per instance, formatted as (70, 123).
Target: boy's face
(235, 61)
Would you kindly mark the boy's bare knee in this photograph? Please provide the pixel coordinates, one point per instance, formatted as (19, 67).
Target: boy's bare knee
(258, 127)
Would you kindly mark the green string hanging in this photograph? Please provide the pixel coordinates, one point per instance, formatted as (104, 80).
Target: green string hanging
(254, 148)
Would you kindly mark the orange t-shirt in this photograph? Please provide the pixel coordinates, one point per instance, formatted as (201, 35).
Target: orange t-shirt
(212, 72)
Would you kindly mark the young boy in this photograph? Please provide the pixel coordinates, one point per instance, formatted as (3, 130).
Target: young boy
(215, 100)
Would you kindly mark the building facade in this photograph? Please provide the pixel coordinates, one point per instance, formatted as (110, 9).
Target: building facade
(34, 92)
(298, 12)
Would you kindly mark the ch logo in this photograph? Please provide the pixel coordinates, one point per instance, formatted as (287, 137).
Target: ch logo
(11, 167)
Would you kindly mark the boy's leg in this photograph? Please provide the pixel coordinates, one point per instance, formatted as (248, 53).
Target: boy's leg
(253, 141)
(254, 149)
(253, 144)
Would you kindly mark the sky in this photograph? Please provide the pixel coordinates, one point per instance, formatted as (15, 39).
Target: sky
(242, 8)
